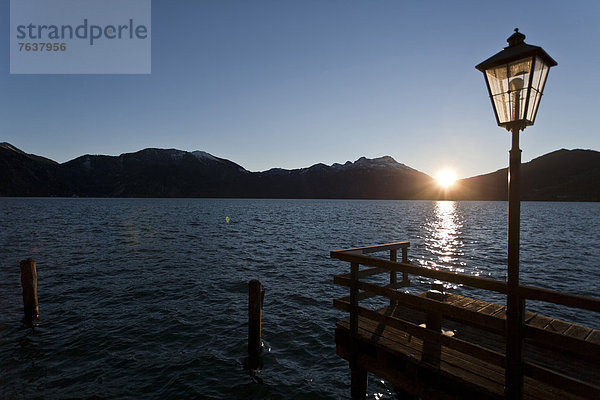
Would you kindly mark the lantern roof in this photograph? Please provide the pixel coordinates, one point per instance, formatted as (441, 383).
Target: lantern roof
(516, 50)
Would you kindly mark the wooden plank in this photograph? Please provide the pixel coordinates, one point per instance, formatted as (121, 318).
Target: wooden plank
(557, 326)
(564, 362)
(548, 339)
(491, 309)
(539, 321)
(471, 307)
(374, 249)
(454, 277)
(578, 331)
(367, 295)
(387, 338)
(565, 299)
(549, 333)
(466, 316)
(528, 316)
(501, 313)
(593, 337)
(460, 301)
(476, 305)
(569, 384)
(536, 390)
(363, 273)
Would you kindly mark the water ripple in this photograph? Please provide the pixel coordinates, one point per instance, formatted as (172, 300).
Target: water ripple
(147, 297)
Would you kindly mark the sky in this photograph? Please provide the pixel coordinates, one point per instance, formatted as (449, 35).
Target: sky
(291, 83)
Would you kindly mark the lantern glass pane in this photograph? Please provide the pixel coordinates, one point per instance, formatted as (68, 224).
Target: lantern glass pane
(508, 86)
(519, 82)
(498, 82)
(540, 72)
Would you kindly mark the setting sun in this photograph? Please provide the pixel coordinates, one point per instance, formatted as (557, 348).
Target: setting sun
(446, 178)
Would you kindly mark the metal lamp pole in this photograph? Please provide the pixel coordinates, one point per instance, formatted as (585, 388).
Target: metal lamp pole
(514, 304)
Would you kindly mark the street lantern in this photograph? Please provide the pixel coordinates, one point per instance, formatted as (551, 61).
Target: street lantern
(515, 78)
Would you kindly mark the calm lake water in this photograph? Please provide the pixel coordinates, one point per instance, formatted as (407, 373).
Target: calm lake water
(147, 298)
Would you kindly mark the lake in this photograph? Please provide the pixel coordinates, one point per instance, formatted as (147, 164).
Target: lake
(147, 298)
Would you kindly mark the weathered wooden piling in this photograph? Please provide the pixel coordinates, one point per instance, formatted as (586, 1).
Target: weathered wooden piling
(29, 284)
(255, 302)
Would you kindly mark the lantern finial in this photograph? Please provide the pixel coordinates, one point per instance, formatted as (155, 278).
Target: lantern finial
(516, 38)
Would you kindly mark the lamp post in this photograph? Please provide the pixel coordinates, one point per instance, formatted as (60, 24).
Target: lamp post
(515, 78)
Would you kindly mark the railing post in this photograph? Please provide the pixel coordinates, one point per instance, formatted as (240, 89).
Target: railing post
(393, 276)
(405, 260)
(433, 321)
(358, 383)
(354, 299)
(358, 375)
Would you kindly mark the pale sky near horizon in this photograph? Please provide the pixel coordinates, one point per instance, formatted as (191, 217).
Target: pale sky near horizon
(290, 83)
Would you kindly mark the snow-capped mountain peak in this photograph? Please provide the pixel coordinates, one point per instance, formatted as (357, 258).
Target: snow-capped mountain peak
(202, 155)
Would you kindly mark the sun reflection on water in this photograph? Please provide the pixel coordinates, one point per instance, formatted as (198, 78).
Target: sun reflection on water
(443, 237)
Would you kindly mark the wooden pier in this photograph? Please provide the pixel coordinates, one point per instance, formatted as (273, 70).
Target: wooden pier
(438, 345)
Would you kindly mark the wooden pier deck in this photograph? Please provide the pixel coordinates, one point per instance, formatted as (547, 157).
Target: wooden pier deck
(437, 345)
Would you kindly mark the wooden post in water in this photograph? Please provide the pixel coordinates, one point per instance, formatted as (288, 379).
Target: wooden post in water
(255, 302)
(29, 284)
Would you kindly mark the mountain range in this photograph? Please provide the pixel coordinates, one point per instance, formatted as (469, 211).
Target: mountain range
(563, 175)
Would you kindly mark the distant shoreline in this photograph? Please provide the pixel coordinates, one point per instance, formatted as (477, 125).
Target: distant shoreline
(281, 198)
(563, 175)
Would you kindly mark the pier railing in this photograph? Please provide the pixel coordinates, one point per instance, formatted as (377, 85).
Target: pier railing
(543, 333)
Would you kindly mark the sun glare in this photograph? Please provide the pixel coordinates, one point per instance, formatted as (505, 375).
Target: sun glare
(446, 178)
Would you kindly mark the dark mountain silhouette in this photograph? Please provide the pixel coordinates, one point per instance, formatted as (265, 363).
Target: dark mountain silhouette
(151, 173)
(564, 175)
(23, 174)
(379, 178)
